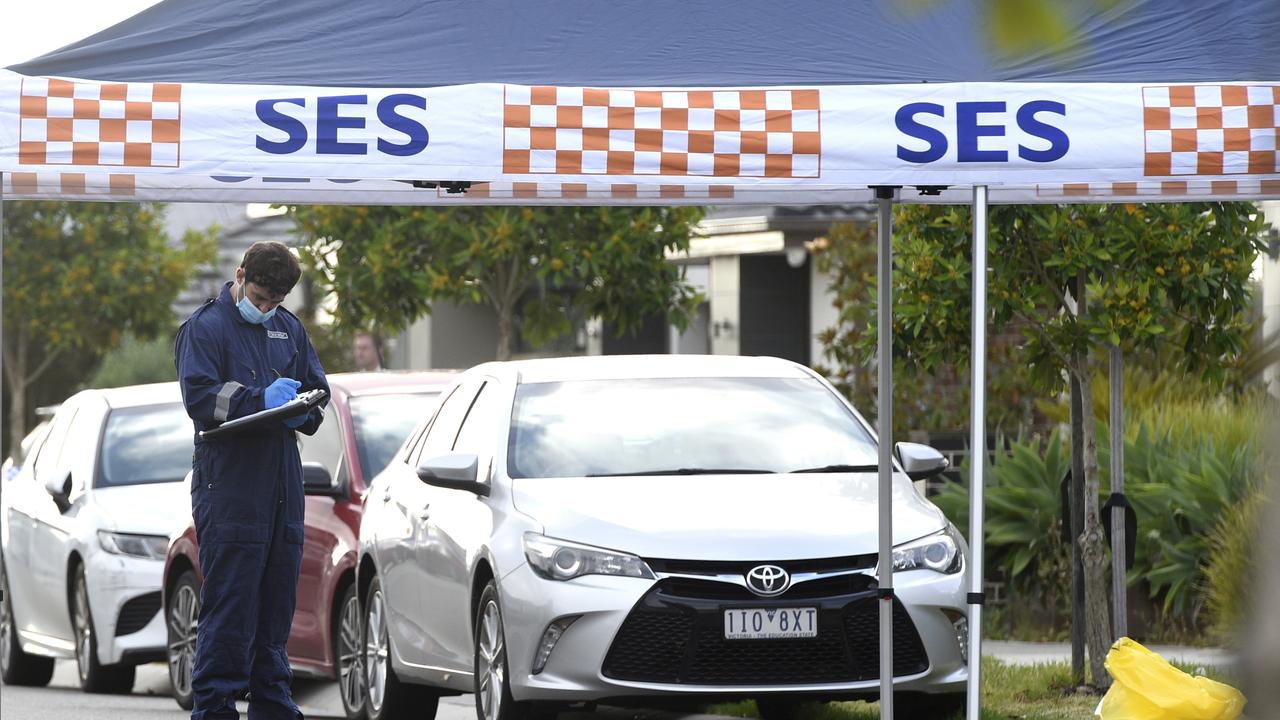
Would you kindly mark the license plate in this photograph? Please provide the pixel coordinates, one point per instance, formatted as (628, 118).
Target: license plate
(770, 623)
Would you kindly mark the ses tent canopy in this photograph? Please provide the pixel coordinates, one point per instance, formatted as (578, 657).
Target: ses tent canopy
(638, 101)
(438, 102)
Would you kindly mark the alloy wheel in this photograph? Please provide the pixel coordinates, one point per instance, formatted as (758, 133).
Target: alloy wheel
(350, 657)
(491, 662)
(375, 652)
(83, 629)
(183, 621)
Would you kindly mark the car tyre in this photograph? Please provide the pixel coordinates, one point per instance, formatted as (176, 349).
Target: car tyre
(493, 688)
(942, 706)
(386, 697)
(348, 651)
(181, 621)
(94, 676)
(17, 667)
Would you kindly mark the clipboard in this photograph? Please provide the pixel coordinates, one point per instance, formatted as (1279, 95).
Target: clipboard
(303, 403)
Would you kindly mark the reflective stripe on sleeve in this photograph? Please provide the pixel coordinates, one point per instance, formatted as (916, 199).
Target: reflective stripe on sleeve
(223, 407)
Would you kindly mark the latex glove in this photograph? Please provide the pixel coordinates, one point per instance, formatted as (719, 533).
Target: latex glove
(280, 392)
(297, 420)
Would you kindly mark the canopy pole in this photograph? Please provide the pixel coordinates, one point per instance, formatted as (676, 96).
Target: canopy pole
(5, 431)
(884, 417)
(977, 451)
(1119, 551)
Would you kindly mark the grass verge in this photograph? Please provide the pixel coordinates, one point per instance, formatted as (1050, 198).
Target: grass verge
(1009, 692)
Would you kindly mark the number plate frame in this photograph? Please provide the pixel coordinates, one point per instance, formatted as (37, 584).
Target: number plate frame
(770, 623)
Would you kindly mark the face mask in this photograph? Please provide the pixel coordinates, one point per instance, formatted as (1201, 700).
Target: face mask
(250, 313)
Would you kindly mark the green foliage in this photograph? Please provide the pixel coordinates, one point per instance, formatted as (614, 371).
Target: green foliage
(934, 399)
(388, 264)
(1023, 522)
(1188, 468)
(77, 277)
(136, 362)
(1232, 564)
(1145, 266)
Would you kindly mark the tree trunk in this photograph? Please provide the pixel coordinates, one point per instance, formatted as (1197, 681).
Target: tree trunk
(504, 332)
(15, 372)
(1075, 526)
(1093, 549)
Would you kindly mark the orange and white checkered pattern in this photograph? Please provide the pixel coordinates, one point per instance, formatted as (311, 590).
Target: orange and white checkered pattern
(583, 191)
(110, 124)
(1211, 129)
(712, 133)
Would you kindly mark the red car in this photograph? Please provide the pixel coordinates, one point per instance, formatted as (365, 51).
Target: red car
(368, 417)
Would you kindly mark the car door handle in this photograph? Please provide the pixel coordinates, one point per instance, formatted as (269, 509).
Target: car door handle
(386, 496)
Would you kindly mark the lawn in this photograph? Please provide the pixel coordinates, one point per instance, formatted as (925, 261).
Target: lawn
(1009, 692)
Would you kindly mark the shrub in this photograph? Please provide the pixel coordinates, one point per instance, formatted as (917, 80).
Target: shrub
(1023, 523)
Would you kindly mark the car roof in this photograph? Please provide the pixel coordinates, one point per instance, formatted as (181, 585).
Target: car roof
(357, 384)
(138, 395)
(619, 367)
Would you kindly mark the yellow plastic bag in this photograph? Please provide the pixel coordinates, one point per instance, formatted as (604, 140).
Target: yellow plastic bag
(1146, 687)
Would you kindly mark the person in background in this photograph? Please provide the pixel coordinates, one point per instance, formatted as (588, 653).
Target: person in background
(368, 352)
(239, 354)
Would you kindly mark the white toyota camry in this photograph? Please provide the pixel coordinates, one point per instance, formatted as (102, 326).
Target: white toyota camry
(649, 529)
(86, 522)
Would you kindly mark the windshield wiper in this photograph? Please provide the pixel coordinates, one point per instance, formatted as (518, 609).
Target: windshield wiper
(686, 471)
(839, 469)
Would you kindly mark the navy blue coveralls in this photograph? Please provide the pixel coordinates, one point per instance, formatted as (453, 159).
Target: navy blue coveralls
(247, 502)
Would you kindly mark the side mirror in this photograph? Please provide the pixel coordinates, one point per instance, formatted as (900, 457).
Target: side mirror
(58, 485)
(316, 480)
(455, 471)
(920, 461)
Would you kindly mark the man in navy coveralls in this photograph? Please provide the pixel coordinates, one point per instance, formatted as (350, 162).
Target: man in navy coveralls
(239, 354)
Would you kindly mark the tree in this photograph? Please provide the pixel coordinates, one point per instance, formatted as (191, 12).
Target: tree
(936, 400)
(1152, 274)
(77, 277)
(388, 264)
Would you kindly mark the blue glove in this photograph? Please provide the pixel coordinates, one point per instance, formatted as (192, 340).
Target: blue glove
(297, 420)
(280, 392)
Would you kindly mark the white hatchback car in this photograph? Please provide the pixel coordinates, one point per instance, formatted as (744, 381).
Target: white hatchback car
(650, 529)
(86, 522)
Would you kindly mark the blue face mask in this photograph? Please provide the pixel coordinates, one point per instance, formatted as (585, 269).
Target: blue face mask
(252, 314)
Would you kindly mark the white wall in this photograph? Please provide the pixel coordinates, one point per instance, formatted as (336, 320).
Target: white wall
(724, 297)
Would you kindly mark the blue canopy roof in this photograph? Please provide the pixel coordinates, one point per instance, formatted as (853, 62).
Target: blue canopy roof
(667, 43)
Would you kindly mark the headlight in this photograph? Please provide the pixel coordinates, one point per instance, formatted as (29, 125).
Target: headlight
(152, 547)
(938, 552)
(561, 560)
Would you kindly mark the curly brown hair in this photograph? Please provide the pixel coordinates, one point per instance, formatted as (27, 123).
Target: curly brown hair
(271, 265)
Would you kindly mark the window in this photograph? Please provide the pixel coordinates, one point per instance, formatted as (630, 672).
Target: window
(326, 446)
(145, 444)
(635, 426)
(50, 454)
(444, 429)
(382, 422)
(478, 430)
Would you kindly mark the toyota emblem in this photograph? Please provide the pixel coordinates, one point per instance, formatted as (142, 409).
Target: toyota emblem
(768, 580)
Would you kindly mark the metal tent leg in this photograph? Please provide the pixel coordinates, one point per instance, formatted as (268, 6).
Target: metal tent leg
(977, 450)
(884, 416)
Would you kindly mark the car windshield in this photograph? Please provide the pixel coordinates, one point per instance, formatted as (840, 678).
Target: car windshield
(682, 426)
(382, 422)
(146, 444)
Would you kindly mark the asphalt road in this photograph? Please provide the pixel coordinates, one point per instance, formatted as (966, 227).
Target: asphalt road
(150, 700)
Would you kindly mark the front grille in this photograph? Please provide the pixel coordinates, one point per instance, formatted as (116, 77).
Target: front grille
(137, 613)
(739, 567)
(674, 637)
